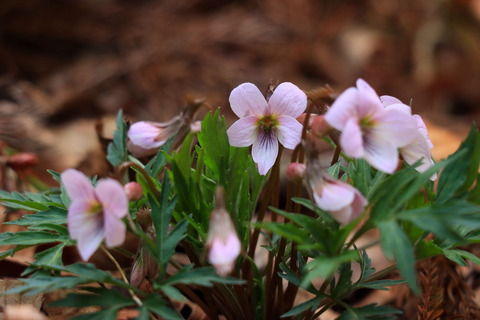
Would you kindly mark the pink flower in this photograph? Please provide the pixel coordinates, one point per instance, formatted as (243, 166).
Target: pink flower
(368, 130)
(264, 123)
(95, 213)
(146, 137)
(419, 148)
(341, 200)
(222, 241)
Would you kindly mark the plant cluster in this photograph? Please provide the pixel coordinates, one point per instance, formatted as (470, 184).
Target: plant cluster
(199, 190)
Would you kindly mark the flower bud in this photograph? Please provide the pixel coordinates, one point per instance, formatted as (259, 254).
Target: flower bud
(301, 119)
(21, 161)
(295, 171)
(222, 242)
(320, 127)
(133, 190)
(196, 127)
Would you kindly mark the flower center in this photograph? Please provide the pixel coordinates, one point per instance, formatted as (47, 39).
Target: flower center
(366, 123)
(95, 208)
(267, 123)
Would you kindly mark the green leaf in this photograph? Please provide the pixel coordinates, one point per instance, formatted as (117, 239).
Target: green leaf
(203, 276)
(311, 304)
(396, 244)
(381, 284)
(98, 297)
(323, 267)
(371, 311)
(30, 238)
(214, 141)
(52, 215)
(458, 256)
(117, 149)
(156, 304)
(460, 174)
(159, 161)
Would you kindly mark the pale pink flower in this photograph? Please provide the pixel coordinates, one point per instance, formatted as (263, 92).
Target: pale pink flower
(95, 213)
(263, 123)
(222, 241)
(419, 148)
(344, 202)
(368, 130)
(146, 137)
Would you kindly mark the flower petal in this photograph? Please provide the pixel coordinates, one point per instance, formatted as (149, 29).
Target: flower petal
(243, 132)
(335, 195)
(289, 131)
(423, 129)
(388, 100)
(87, 229)
(222, 255)
(288, 99)
(368, 102)
(247, 100)
(265, 151)
(419, 149)
(115, 231)
(78, 186)
(113, 198)
(400, 107)
(351, 139)
(343, 109)
(381, 153)
(145, 134)
(396, 127)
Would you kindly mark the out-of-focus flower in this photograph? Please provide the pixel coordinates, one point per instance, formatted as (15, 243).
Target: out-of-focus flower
(21, 161)
(95, 213)
(295, 171)
(340, 199)
(368, 130)
(196, 127)
(320, 126)
(133, 190)
(145, 137)
(262, 124)
(222, 241)
(419, 148)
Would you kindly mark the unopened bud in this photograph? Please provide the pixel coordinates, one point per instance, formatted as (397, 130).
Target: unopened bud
(133, 190)
(320, 127)
(21, 161)
(222, 241)
(196, 127)
(301, 119)
(295, 171)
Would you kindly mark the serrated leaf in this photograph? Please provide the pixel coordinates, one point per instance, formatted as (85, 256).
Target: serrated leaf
(97, 297)
(396, 244)
(117, 149)
(203, 276)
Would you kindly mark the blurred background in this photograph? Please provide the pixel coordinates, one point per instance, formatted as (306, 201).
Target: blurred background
(68, 65)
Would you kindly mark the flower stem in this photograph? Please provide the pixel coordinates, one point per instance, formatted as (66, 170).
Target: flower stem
(124, 277)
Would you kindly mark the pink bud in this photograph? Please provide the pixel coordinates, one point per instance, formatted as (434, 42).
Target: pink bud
(196, 127)
(222, 241)
(133, 190)
(301, 119)
(320, 127)
(21, 161)
(295, 171)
